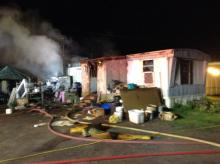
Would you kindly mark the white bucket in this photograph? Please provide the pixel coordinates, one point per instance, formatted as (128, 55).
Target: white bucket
(136, 116)
(8, 111)
(119, 109)
(119, 114)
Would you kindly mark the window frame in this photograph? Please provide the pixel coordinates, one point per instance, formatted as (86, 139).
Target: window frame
(148, 65)
(188, 74)
(150, 71)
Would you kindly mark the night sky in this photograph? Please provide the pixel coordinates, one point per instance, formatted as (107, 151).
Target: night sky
(134, 27)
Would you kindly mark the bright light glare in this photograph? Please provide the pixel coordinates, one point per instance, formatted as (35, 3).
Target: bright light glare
(213, 71)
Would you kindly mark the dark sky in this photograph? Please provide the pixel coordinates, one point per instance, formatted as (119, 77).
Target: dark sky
(135, 27)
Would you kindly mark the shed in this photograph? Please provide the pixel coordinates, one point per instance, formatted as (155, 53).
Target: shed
(8, 78)
(213, 79)
(97, 74)
(75, 72)
(179, 73)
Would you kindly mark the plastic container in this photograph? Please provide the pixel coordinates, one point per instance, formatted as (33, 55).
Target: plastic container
(149, 115)
(161, 108)
(107, 108)
(132, 86)
(119, 109)
(8, 111)
(40, 124)
(119, 114)
(136, 116)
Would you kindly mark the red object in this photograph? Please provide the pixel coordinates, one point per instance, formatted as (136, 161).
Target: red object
(105, 140)
(116, 141)
(132, 156)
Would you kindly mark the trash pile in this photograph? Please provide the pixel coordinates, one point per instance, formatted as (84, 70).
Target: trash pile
(56, 90)
(125, 103)
(131, 102)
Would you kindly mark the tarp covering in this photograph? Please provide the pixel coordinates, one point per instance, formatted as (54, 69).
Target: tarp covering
(9, 73)
(1, 67)
(140, 98)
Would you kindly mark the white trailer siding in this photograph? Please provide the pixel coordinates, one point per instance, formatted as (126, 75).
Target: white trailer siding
(76, 73)
(135, 72)
(160, 73)
(167, 73)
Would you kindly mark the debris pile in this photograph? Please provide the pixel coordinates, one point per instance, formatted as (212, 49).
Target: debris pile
(86, 115)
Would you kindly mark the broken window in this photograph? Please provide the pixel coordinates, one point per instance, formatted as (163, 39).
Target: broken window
(186, 71)
(93, 69)
(148, 78)
(148, 66)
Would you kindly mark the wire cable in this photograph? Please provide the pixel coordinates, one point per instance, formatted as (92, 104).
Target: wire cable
(48, 151)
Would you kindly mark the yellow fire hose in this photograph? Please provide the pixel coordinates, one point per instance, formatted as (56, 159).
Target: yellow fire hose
(49, 151)
(165, 134)
(155, 133)
(115, 126)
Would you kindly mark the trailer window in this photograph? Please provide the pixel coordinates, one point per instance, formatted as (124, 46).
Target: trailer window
(148, 66)
(186, 71)
(93, 69)
(148, 78)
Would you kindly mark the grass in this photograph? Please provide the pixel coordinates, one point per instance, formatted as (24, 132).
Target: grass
(190, 117)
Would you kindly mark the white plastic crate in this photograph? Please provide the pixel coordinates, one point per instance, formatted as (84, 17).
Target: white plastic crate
(136, 116)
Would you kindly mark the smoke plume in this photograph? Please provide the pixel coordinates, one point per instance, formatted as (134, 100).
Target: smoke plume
(29, 46)
(99, 46)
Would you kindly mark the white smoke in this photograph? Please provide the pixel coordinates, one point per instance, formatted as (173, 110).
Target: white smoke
(20, 47)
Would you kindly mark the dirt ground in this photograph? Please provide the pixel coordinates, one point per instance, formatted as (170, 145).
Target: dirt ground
(18, 138)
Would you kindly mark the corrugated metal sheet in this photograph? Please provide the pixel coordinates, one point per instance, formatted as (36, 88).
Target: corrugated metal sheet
(191, 54)
(199, 72)
(183, 90)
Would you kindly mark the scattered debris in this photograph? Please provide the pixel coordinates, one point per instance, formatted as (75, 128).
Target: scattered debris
(22, 101)
(62, 123)
(151, 112)
(8, 111)
(78, 129)
(88, 118)
(77, 115)
(97, 112)
(117, 87)
(113, 119)
(32, 105)
(22, 107)
(167, 116)
(12, 98)
(87, 132)
(40, 124)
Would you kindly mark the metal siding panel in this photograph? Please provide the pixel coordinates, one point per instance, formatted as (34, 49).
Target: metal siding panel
(184, 90)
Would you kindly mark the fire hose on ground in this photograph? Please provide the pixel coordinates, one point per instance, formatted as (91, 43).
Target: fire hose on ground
(130, 156)
(126, 128)
(119, 141)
